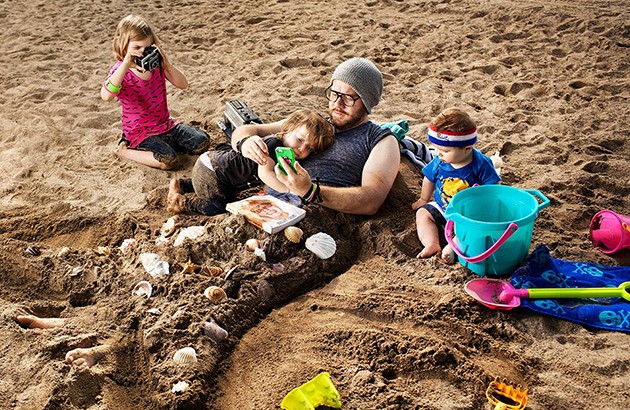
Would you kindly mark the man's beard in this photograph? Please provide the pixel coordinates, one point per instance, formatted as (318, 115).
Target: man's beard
(347, 121)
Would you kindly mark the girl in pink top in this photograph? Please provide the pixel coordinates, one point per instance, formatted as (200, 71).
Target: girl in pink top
(149, 135)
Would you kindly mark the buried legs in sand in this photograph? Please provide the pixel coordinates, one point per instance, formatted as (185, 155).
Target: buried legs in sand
(88, 356)
(34, 322)
(175, 197)
(75, 357)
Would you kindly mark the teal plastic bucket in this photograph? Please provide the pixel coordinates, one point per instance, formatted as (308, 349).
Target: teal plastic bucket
(492, 227)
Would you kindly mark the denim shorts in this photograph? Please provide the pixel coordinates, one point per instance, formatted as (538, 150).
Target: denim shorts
(181, 139)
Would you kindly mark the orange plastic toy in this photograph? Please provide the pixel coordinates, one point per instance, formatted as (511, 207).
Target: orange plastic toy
(504, 396)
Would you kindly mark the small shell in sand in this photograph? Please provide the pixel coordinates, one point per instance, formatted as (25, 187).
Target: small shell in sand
(260, 253)
(142, 288)
(104, 250)
(252, 244)
(265, 291)
(293, 234)
(63, 252)
(322, 245)
(33, 250)
(212, 270)
(215, 294)
(169, 226)
(214, 331)
(76, 271)
(185, 355)
(180, 387)
(192, 232)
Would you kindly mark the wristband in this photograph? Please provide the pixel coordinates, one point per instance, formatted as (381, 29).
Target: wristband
(239, 145)
(312, 195)
(111, 87)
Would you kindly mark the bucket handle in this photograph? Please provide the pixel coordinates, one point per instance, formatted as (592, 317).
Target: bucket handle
(448, 233)
(544, 200)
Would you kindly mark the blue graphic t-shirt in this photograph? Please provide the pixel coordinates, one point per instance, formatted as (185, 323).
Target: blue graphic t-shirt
(449, 181)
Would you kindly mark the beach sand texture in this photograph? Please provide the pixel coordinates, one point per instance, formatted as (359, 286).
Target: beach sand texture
(547, 83)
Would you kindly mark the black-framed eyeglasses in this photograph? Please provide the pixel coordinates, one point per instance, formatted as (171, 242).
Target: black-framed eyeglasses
(346, 99)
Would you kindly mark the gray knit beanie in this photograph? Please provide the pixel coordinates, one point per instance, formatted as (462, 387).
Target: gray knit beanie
(364, 78)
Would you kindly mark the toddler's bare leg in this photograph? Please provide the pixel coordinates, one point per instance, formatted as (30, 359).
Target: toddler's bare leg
(427, 233)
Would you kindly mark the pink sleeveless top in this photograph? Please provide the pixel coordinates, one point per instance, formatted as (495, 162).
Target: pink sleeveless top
(144, 109)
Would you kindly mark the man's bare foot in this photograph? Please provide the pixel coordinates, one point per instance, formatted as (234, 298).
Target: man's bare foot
(89, 356)
(175, 199)
(429, 251)
(448, 256)
(34, 322)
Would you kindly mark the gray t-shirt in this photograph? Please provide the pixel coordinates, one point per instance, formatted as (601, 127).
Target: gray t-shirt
(342, 164)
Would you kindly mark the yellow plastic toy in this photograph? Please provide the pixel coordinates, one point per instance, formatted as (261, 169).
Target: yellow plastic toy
(504, 396)
(312, 394)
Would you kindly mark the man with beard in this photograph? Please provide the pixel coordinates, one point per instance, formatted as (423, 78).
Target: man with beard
(354, 175)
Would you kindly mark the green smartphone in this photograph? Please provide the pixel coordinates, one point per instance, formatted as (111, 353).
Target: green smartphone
(282, 154)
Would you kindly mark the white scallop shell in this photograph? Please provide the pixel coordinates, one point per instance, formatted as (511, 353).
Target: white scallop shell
(142, 288)
(185, 355)
(128, 245)
(260, 253)
(180, 387)
(322, 245)
(192, 232)
(154, 311)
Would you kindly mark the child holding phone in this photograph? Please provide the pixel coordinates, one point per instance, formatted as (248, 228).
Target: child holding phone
(149, 135)
(218, 175)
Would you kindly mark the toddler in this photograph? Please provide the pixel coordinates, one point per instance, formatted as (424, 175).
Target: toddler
(149, 135)
(456, 166)
(218, 175)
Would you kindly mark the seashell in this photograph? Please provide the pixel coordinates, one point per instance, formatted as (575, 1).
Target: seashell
(104, 250)
(322, 245)
(261, 254)
(142, 288)
(252, 244)
(154, 311)
(63, 252)
(33, 250)
(128, 245)
(185, 355)
(76, 271)
(214, 331)
(180, 387)
(161, 241)
(232, 274)
(192, 232)
(277, 267)
(293, 234)
(265, 291)
(153, 265)
(229, 230)
(215, 294)
(169, 226)
(212, 270)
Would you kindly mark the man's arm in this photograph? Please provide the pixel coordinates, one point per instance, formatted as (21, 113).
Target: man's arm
(255, 148)
(379, 174)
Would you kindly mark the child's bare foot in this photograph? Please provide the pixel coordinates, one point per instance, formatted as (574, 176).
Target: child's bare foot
(448, 256)
(429, 251)
(175, 199)
(34, 322)
(89, 356)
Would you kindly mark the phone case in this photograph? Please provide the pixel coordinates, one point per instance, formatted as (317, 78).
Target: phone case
(281, 154)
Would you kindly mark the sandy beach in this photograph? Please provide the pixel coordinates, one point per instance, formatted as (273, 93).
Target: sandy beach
(547, 84)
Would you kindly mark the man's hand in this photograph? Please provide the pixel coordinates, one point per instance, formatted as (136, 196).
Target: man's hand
(255, 149)
(298, 182)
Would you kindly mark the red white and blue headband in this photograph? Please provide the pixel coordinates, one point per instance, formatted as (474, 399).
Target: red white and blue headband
(452, 139)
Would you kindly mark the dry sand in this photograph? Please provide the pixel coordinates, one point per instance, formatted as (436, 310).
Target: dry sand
(547, 83)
